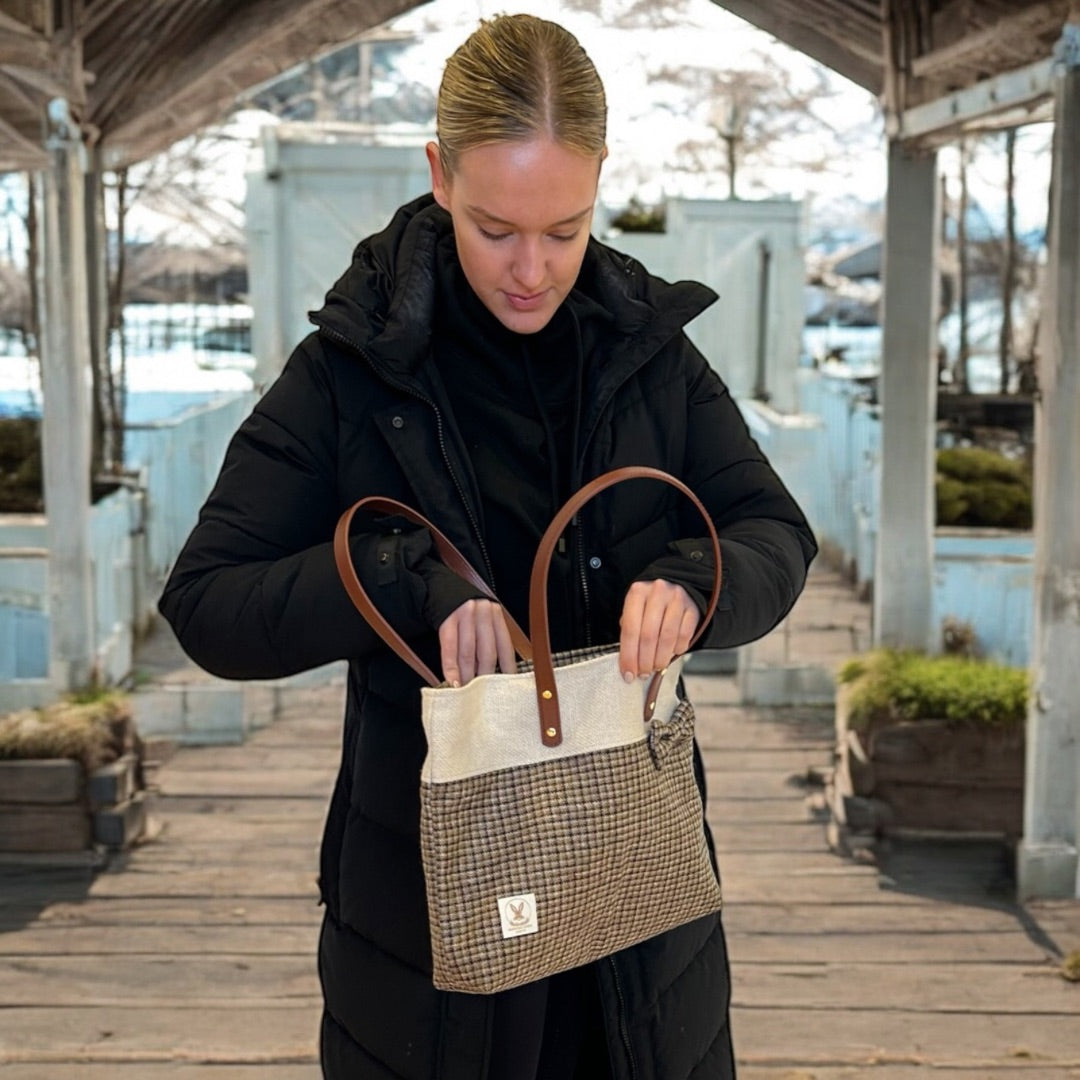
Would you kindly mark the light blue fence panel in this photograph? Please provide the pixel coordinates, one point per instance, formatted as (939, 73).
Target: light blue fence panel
(180, 459)
(843, 504)
(865, 442)
(115, 527)
(985, 577)
(24, 639)
(24, 643)
(135, 537)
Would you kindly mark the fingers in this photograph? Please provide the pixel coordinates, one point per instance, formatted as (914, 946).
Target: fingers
(658, 621)
(474, 640)
(504, 646)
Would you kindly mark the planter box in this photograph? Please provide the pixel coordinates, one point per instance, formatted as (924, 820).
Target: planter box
(925, 776)
(53, 807)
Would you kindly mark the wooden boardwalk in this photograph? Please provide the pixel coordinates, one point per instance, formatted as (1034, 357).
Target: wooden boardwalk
(194, 955)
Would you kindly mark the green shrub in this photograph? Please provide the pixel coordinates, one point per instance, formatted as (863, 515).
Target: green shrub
(637, 217)
(978, 487)
(20, 465)
(888, 686)
(1006, 506)
(976, 463)
(952, 500)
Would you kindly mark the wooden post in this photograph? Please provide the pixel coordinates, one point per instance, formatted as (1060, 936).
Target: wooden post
(97, 283)
(904, 563)
(1047, 860)
(65, 365)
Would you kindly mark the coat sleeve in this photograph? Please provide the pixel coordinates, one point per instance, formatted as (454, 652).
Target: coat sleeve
(766, 544)
(255, 591)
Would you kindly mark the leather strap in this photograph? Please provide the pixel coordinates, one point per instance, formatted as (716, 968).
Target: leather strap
(449, 555)
(547, 694)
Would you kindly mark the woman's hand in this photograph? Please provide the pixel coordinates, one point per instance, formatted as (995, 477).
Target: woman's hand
(473, 639)
(658, 621)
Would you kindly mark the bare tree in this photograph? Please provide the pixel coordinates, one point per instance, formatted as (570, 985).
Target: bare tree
(760, 116)
(963, 351)
(1008, 263)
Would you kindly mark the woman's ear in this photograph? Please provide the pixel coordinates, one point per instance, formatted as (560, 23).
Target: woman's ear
(440, 186)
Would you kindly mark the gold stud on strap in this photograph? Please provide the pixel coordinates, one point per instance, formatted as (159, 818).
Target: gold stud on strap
(550, 732)
(546, 695)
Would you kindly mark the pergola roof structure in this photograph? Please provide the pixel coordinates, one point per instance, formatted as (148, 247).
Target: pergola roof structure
(138, 75)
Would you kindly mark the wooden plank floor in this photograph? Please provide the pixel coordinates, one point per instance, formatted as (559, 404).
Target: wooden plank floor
(193, 957)
(918, 966)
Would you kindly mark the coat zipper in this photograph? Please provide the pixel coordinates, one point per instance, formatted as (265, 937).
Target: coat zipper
(623, 1031)
(579, 538)
(341, 339)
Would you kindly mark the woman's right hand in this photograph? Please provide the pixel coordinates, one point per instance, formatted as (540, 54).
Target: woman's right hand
(474, 640)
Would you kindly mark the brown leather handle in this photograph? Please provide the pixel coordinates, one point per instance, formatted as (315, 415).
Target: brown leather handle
(547, 693)
(449, 555)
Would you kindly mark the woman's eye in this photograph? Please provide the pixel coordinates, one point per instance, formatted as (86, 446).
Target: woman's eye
(564, 239)
(490, 235)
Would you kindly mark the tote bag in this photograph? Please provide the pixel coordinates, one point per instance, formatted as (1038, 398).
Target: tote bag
(560, 817)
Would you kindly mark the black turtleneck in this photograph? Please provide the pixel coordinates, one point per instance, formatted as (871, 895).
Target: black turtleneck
(516, 402)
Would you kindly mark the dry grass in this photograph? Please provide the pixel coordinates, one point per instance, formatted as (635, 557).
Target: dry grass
(94, 732)
(1070, 967)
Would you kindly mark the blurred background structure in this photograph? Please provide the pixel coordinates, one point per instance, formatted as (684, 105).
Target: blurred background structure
(949, 322)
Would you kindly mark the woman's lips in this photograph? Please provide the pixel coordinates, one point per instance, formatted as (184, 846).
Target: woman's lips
(525, 303)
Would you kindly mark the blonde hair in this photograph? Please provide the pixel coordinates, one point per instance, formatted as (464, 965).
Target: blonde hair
(517, 77)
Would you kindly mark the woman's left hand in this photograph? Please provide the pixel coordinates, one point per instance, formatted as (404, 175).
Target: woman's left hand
(658, 620)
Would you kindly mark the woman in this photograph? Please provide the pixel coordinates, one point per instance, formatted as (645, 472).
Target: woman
(480, 359)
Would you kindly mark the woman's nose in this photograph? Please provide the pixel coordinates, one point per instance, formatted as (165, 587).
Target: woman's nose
(528, 268)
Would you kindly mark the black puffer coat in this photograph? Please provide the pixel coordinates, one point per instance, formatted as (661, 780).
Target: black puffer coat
(360, 410)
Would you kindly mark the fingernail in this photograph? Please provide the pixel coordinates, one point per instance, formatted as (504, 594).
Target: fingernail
(644, 675)
(456, 685)
(628, 676)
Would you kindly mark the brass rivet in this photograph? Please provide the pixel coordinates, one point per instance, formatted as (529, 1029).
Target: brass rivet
(652, 705)
(551, 733)
(663, 672)
(546, 695)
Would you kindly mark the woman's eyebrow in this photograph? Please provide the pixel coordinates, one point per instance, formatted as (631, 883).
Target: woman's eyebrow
(502, 221)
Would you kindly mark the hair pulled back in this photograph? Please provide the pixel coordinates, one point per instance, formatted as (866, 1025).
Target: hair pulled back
(515, 78)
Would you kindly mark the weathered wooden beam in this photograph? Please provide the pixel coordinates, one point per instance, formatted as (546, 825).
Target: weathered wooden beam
(891, 83)
(1012, 98)
(131, 58)
(27, 14)
(257, 29)
(21, 142)
(14, 160)
(856, 59)
(27, 98)
(100, 13)
(1017, 34)
(45, 82)
(21, 45)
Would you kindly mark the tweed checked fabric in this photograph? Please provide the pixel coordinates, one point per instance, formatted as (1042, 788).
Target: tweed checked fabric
(538, 867)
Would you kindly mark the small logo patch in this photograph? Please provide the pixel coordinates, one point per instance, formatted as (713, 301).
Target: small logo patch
(518, 915)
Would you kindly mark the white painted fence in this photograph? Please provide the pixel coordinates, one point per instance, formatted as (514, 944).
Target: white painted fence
(136, 534)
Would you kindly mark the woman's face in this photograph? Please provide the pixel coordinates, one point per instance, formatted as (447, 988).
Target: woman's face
(522, 213)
